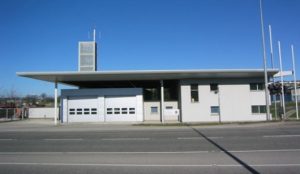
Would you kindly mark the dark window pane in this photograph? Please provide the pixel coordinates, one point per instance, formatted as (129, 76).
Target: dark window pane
(260, 86)
(253, 86)
(194, 93)
(214, 109)
(262, 109)
(117, 110)
(154, 110)
(169, 107)
(151, 94)
(214, 87)
(255, 109)
(194, 96)
(194, 87)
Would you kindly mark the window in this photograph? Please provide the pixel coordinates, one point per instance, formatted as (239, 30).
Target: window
(131, 110)
(214, 110)
(258, 109)
(72, 111)
(169, 107)
(154, 110)
(117, 110)
(86, 111)
(94, 111)
(194, 93)
(214, 87)
(151, 94)
(79, 111)
(257, 86)
(124, 111)
(109, 111)
(262, 109)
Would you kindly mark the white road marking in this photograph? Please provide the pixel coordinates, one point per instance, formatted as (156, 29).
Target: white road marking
(125, 139)
(190, 138)
(64, 139)
(215, 137)
(266, 150)
(280, 136)
(57, 153)
(148, 165)
(197, 138)
(174, 152)
(7, 139)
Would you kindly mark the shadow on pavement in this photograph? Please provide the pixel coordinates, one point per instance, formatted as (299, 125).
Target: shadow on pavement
(245, 165)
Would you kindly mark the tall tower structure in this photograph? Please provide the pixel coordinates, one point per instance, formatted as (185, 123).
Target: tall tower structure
(87, 58)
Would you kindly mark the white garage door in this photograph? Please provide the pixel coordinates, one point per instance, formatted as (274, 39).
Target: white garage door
(121, 108)
(83, 109)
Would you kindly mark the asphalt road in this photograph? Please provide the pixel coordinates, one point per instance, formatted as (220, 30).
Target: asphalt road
(98, 148)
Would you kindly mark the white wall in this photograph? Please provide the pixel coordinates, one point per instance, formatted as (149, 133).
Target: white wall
(198, 111)
(41, 112)
(234, 98)
(174, 105)
(147, 111)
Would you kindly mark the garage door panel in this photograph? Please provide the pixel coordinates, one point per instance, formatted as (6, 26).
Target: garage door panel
(122, 108)
(83, 109)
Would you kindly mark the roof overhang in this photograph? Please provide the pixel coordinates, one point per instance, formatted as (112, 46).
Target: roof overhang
(75, 76)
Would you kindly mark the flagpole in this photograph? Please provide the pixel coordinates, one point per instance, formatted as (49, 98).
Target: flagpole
(281, 78)
(265, 63)
(295, 85)
(272, 62)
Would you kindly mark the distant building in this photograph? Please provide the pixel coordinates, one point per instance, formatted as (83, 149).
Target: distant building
(293, 94)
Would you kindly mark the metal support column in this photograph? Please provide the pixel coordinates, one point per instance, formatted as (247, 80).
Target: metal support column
(55, 103)
(162, 100)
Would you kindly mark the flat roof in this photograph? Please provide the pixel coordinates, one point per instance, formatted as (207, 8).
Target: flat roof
(69, 77)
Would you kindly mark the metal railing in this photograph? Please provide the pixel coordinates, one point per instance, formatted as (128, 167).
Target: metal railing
(13, 113)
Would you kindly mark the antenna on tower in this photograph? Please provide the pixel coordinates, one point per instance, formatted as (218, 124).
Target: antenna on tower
(99, 35)
(94, 35)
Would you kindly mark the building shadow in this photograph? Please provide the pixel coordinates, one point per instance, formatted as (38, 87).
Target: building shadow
(245, 165)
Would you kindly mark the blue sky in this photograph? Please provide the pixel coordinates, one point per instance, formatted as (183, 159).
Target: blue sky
(43, 35)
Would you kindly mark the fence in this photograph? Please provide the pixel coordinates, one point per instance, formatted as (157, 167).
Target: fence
(13, 113)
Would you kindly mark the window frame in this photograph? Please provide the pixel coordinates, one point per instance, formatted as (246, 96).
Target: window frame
(257, 86)
(151, 110)
(259, 109)
(194, 88)
(214, 107)
(214, 85)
